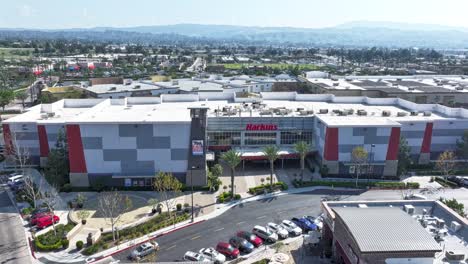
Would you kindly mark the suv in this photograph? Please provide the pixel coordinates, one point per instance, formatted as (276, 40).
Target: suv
(195, 257)
(292, 228)
(143, 250)
(46, 221)
(278, 229)
(228, 250)
(213, 255)
(265, 234)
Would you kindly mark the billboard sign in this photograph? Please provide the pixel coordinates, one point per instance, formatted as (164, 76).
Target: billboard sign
(261, 127)
(197, 147)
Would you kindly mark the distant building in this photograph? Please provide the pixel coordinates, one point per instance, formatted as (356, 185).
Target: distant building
(394, 232)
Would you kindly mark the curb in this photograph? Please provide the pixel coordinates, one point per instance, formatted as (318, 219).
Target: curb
(139, 243)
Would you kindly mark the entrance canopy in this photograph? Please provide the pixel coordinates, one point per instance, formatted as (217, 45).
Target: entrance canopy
(257, 153)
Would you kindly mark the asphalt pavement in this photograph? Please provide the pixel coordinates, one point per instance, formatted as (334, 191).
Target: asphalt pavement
(14, 248)
(241, 217)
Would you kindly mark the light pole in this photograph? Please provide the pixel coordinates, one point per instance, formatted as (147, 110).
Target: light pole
(371, 159)
(191, 183)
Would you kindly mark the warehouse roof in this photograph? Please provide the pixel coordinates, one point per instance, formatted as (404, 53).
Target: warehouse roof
(402, 233)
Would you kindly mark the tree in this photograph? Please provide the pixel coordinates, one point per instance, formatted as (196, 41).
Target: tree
(272, 154)
(462, 146)
(455, 205)
(113, 205)
(83, 215)
(232, 159)
(22, 96)
(404, 158)
(50, 199)
(445, 163)
(213, 177)
(302, 148)
(57, 167)
(168, 187)
(359, 158)
(31, 190)
(6, 96)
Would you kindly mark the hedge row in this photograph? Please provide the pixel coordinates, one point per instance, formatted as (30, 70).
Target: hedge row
(158, 222)
(446, 183)
(49, 241)
(226, 197)
(267, 187)
(350, 184)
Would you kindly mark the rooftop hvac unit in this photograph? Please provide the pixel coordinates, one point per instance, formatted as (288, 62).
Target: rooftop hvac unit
(440, 223)
(455, 226)
(399, 79)
(303, 112)
(427, 113)
(459, 88)
(51, 114)
(454, 256)
(386, 113)
(395, 84)
(310, 112)
(334, 79)
(137, 87)
(336, 111)
(323, 111)
(336, 84)
(361, 112)
(402, 114)
(44, 116)
(410, 88)
(175, 82)
(440, 84)
(408, 208)
(349, 111)
(342, 113)
(299, 109)
(414, 113)
(266, 112)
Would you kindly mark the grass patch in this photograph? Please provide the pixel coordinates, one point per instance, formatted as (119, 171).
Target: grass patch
(16, 53)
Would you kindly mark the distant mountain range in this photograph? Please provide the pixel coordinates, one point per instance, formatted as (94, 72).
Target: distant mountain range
(354, 34)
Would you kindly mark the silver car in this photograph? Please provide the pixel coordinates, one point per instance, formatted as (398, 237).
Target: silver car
(213, 255)
(144, 250)
(291, 227)
(278, 229)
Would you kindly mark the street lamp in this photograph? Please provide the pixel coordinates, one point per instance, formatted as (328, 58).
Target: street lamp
(371, 159)
(191, 183)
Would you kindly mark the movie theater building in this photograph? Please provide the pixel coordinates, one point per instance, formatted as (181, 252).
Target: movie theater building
(126, 141)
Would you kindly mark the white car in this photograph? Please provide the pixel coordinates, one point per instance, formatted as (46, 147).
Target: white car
(265, 234)
(415, 197)
(194, 257)
(213, 255)
(278, 229)
(291, 227)
(144, 250)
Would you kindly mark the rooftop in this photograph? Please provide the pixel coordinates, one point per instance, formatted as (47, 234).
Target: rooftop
(397, 84)
(386, 229)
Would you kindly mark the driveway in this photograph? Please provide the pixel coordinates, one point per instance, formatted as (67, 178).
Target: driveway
(14, 247)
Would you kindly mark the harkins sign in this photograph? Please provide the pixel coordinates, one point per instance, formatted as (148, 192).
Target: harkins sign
(261, 127)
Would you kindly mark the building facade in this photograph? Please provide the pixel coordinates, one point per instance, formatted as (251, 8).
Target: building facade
(126, 141)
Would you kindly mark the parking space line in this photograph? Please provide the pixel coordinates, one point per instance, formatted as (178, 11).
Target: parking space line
(240, 222)
(260, 217)
(195, 237)
(222, 228)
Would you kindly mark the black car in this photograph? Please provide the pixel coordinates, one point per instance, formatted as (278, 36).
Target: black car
(242, 244)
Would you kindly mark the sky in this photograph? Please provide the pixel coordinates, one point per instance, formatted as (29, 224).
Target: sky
(60, 14)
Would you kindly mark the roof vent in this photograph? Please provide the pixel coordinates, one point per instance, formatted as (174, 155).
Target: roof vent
(336, 84)
(414, 113)
(323, 111)
(459, 88)
(386, 113)
(361, 112)
(427, 113)
(410, 88)
(400, 114)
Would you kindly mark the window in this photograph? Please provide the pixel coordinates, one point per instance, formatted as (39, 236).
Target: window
(227, 138)
(260, 138)
(292, 137)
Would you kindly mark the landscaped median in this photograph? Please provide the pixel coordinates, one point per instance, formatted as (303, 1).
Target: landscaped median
(363, 185)
(266, 188)
(51, 240)
(156, 223)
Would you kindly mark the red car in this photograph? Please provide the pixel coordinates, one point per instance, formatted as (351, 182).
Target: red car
(46, 221)
(34, 218)
(228, 250)
(255, 240)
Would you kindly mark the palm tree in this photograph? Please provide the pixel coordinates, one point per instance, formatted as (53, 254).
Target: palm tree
(272, 154)
(232, 159)
(302, 148)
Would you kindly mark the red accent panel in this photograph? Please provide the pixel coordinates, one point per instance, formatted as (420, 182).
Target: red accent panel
(75, 149)
(43, 141)
(330, 151)
(426, 144)
(393, 144)
(7, 138)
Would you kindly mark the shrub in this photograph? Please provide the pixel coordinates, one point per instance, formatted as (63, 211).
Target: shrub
(91, 250)
(412, 185)
(66, 188)
(65, 243)
(446, 183)
(49, 241)
(79, 244)
(26, 211)
(390, 185)
(41, 247)
(266, 187)
(186, 205)
(179, 207)
(237, 197)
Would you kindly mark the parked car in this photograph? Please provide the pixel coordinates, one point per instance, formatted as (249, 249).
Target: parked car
(292, 228)
(255, 240)
(17, 185)
(33, 220)
(278, 229)
(228, 250)
(195, 257)
(46, 221)
(318, 221)
(14, 177)
(265, 234)
(304, 224)
(415, 196)
(144, 250)
(213, 255)
(242, 244)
